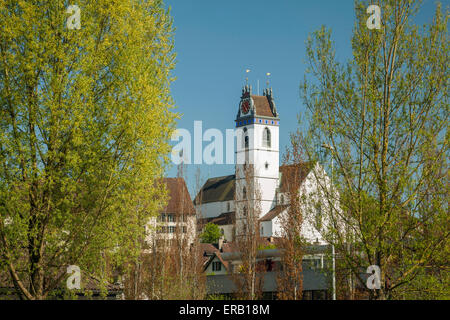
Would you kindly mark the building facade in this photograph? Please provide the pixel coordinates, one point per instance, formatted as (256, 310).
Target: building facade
(177, 219)
(258, 181)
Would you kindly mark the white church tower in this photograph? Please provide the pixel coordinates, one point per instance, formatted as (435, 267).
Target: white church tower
(257, 152)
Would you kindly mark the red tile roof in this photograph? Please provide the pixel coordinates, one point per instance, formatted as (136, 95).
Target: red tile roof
(221, 220)
(179, 197)
(262, 106)
(300, 170)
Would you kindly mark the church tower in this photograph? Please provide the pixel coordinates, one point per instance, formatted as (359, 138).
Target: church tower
(257, 153)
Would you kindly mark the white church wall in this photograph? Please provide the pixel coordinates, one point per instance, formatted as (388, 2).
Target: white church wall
(265, 162)
(228, 232)
(266, 229)
(308, 232)
(210, 209)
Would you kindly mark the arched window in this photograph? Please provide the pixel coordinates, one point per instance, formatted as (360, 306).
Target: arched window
(246, 139)
(266, 138)
(245, 211)
(244, 193)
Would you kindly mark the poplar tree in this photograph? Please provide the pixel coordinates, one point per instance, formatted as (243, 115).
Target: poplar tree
(383, 116)
(85, 120)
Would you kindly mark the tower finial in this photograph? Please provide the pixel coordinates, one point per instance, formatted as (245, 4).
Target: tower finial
(246, 78)
(268, 78)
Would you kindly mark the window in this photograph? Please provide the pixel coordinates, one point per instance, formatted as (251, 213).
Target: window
(246, 138)
(184, 229)
(245, 211)
(170, 218)
(244, 193)
(162, 217)
(266, 138)
(281, 199)
(266, 165)
(228, 207)
(171, 229)
(216, 266)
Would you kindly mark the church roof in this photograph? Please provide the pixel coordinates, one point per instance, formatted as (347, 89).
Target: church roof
(217, 189)
(223, 219)
(275, 211)
(262, 106)
(300, 170)
(179, 198)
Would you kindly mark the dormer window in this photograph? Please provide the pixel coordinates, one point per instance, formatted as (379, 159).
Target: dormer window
(266, 138)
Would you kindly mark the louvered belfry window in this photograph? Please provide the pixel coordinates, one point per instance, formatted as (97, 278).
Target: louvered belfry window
(266, 138)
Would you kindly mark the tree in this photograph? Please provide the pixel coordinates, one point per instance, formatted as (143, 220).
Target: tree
(384, 117)
(249, 277)
(290, 279)
(85, 121)
(171, 267)
(211, 233)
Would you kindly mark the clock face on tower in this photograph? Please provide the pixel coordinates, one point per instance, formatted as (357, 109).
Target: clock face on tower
(245, 106)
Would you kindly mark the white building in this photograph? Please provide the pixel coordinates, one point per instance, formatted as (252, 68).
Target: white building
(224, 200)
(177, 220)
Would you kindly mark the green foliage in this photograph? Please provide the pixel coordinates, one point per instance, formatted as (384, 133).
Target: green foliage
(217, 297)
(267, 247)
(384, 115)
(85, 119)
(211, 233)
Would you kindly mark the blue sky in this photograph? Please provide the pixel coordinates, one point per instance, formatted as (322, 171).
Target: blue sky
(216, 41)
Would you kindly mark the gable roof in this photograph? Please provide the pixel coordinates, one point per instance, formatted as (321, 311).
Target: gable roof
(207, 248)
(223, 219)
(216, 189)
(211, 258)
(262, 106)
(300, 170)
(209, 253)
(179, 198)
(274, 212)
